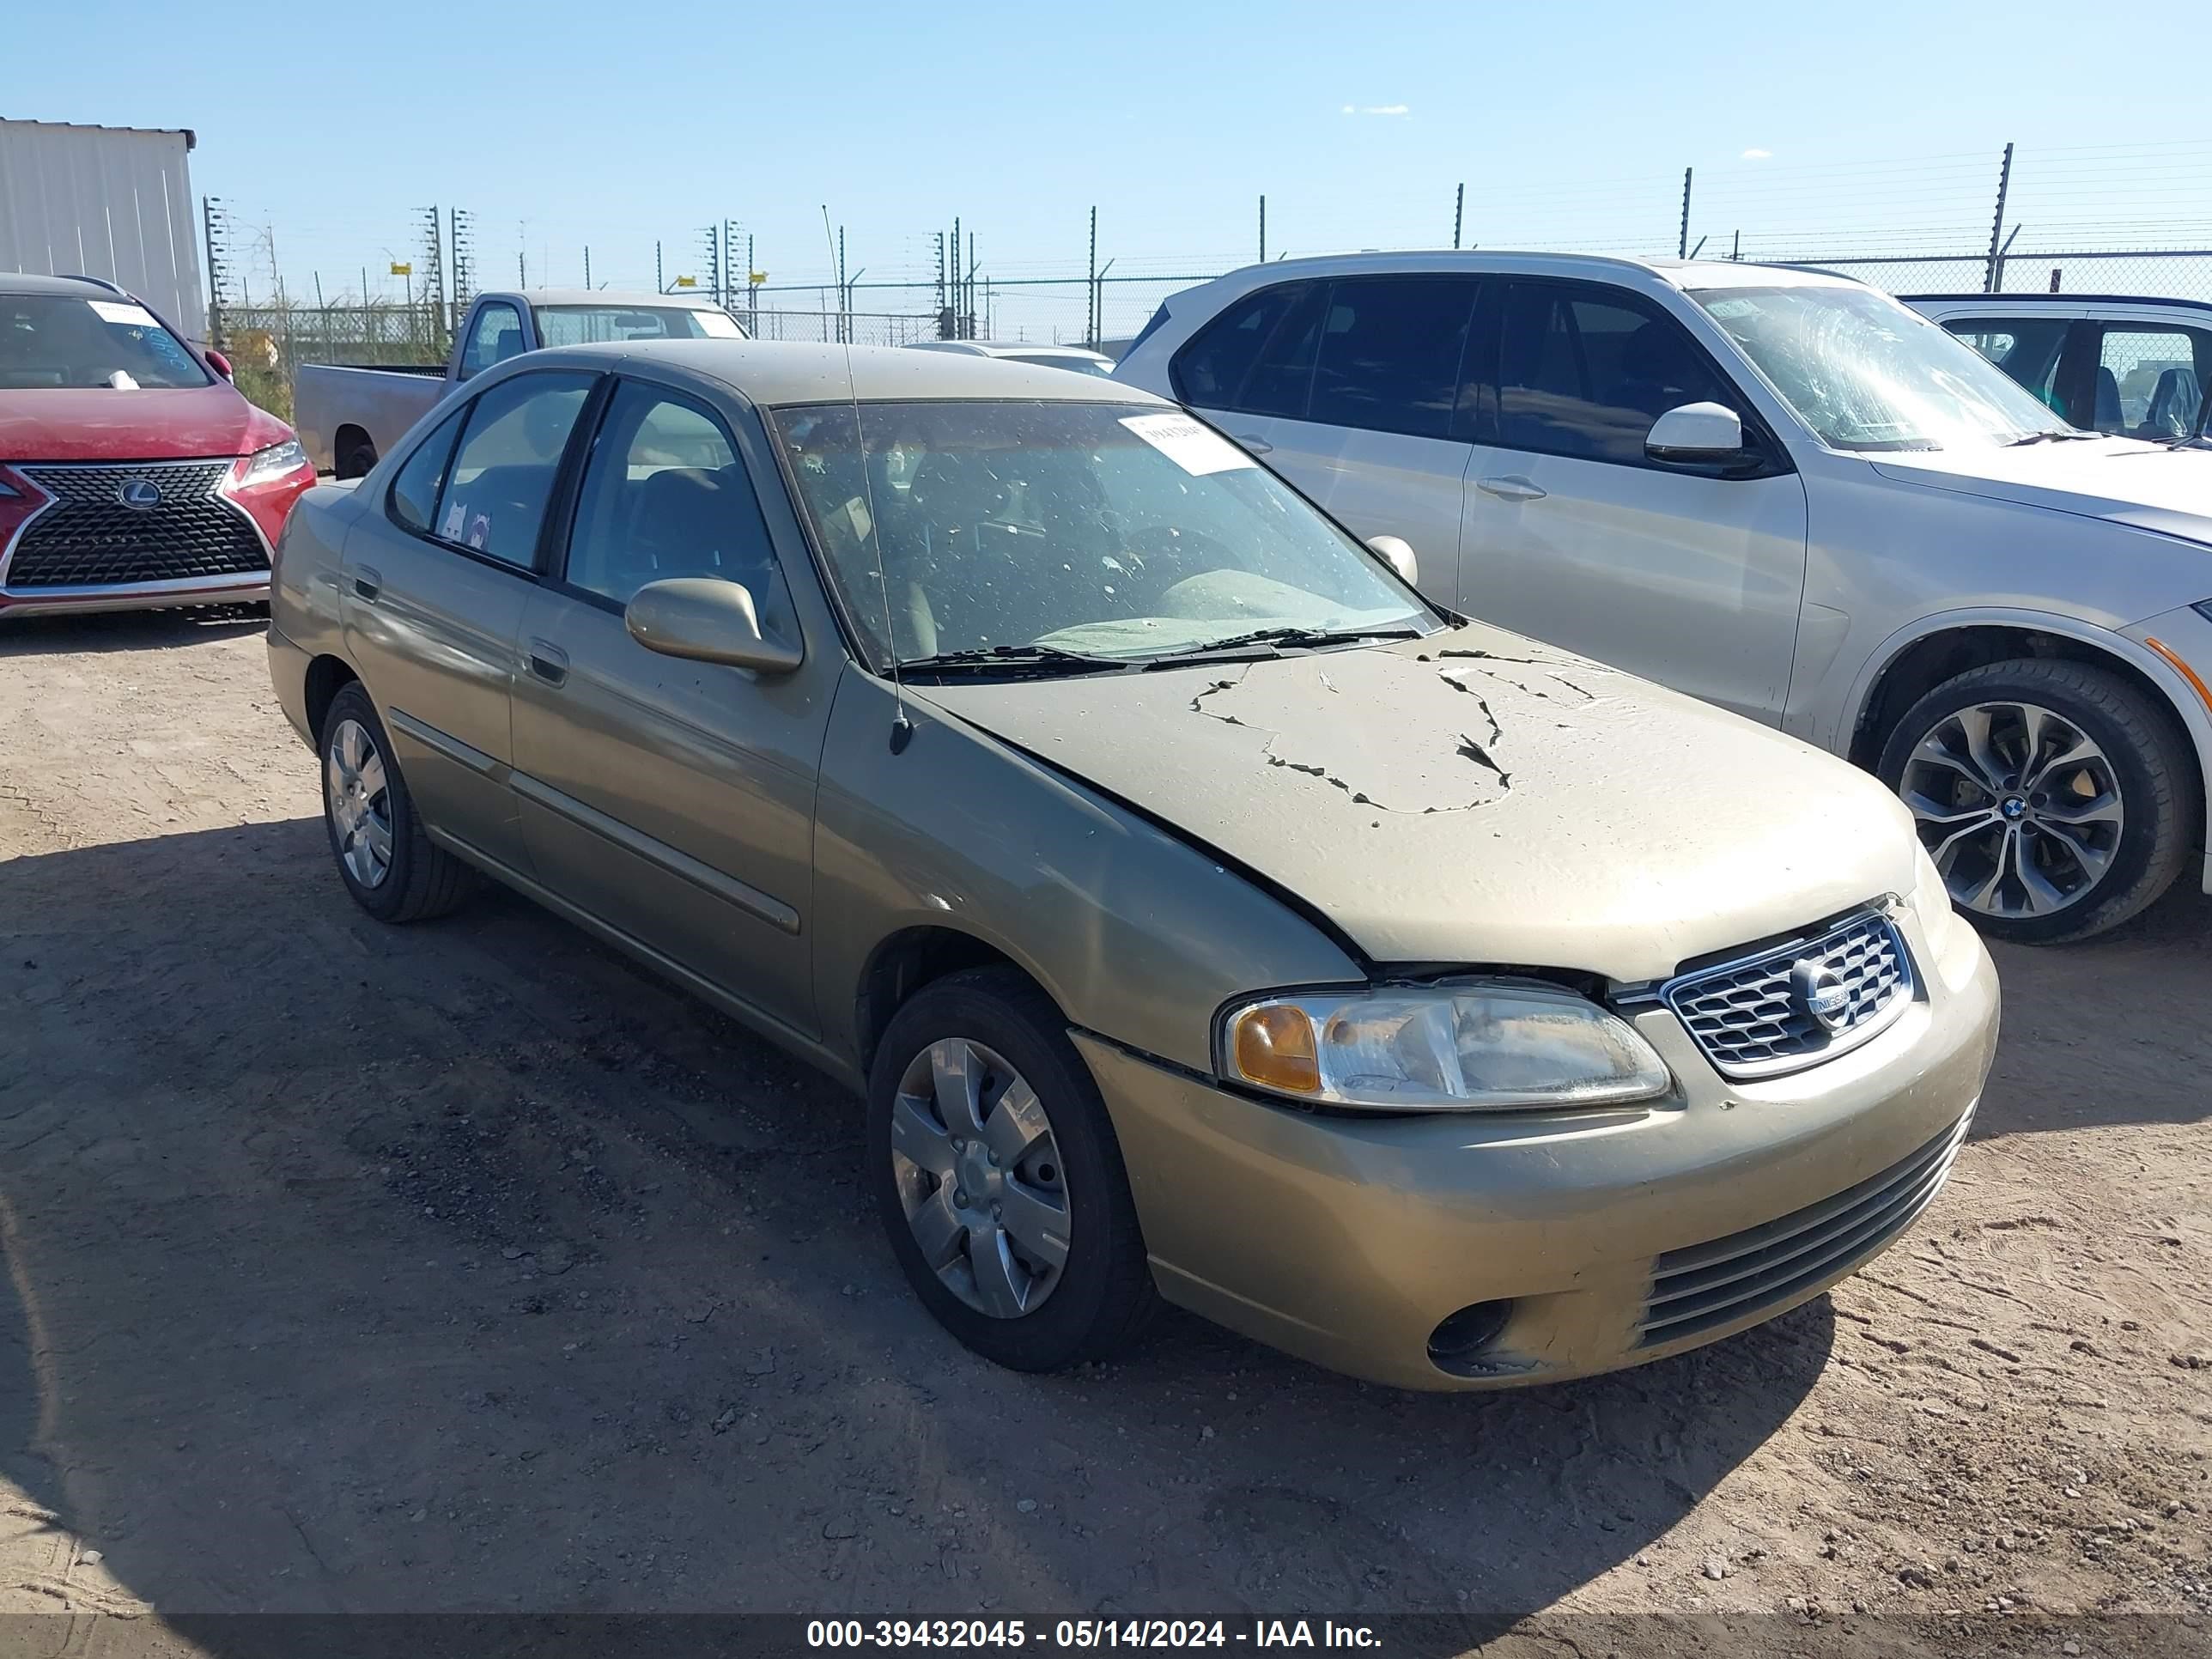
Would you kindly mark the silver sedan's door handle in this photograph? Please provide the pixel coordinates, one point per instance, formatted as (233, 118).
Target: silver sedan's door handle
(1255, 443)
(547, 661)
(1511, 488)
(366, 582)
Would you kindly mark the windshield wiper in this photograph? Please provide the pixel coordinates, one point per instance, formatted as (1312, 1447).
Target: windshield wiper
(2048, 438)
(1293, 637)
(1013, 660)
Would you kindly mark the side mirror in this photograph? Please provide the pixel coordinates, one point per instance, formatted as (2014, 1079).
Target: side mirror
(1695, 432)
(706, 620)
(1399, 556)
(220, 364)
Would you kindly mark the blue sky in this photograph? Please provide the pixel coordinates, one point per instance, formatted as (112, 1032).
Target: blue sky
(563, 124)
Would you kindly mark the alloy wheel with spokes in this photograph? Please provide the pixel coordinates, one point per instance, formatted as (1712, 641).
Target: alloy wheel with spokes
(980, 1177)
(360, 800)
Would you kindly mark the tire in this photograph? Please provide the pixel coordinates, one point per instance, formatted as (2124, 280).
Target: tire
(1098, 1300)
(356, 459)
(417, 879)
(2106, 834)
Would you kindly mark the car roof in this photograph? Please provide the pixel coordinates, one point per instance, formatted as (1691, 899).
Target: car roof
(82, 288)
(779, 372)
(1647, 274)
(600, 296)
(2009, 301)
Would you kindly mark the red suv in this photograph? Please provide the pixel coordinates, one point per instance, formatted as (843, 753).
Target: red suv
(133, 474)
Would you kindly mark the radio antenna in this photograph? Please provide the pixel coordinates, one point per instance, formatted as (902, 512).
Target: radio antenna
(901, 727)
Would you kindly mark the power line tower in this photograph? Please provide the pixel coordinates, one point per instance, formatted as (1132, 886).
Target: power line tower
(215, 220)
(739, 281)
(433, 290)
(461, 240)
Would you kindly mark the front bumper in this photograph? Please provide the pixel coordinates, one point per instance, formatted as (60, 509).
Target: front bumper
(143, 596)
(1345, 1239)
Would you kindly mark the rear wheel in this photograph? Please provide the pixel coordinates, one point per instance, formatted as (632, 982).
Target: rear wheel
(357, 456)
(2052, 796)
(391, 868)
(998, 1179)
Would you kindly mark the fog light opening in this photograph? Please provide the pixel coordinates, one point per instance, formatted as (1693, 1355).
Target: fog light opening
(1459, 1340)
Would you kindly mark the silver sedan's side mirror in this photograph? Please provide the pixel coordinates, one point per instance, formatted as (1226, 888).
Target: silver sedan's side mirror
(1697, 432)
(704, 619)
(1399, 556)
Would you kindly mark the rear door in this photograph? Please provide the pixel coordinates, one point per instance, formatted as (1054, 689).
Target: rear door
(435, 580)
(1574, 534)
(1353, 394)
(2151, 372)
(673, 800)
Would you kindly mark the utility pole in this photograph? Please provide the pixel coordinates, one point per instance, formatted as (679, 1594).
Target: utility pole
(1091, 319)
(460, 232)
(1996, 270)
(433, 276)
(1263, 228)
(587, 264)
(844, 293)
(659, 282)
(1459, 213)
(967, 287)
(214, 224)
(752, 287)
(1682, 243)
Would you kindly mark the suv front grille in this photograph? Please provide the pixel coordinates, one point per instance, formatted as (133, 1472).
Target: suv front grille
(1702, 1287)
(87, 538)
(1748, 1018)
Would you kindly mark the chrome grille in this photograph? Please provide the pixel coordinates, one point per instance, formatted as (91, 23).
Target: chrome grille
(86, 538)
(1749, 1020)
(1704, 1286)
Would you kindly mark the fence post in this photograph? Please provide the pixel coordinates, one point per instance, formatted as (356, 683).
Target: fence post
(1682, 242)
(1459, 213)
(1997, 224)
(1091, 321)
(1263, 228)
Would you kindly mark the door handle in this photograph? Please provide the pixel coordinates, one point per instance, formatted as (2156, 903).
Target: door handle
(1256, 443)
(1511, 488)
(368, 583)
(547, 661)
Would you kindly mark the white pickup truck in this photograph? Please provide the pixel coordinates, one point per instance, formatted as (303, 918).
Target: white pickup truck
(347, 416)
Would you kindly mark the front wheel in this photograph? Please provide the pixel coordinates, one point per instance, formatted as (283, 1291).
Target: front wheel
(2052, 796)
(998, 1179)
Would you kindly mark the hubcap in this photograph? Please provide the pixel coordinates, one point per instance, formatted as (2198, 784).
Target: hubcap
(2018, 807)
(359, 803)
(980, 1177)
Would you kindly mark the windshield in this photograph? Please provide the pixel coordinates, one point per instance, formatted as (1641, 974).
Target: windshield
(1111, 529)
(566, 325)
(1864, 373)
(59, 340)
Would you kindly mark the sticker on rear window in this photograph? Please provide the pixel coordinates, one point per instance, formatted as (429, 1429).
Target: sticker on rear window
(457, 519)
(718, 325)
(114, 311)
(1198, 450)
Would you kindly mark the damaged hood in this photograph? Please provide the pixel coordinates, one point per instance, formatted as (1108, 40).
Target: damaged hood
(1475, 798)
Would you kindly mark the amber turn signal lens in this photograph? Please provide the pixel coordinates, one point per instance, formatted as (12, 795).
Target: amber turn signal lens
(1274, 1047)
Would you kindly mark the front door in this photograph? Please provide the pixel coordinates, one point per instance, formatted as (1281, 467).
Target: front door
(673, 800)
(1575, 536)
(435, 578)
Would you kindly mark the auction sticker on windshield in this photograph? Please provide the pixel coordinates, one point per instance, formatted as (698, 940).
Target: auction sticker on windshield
(718, 325)
(1198, 450)
(131, 316)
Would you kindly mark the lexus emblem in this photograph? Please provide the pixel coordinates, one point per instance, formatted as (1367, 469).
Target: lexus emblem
(1820, 990)
(140, 494)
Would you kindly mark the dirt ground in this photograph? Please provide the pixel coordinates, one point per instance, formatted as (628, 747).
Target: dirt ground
(468, 1267)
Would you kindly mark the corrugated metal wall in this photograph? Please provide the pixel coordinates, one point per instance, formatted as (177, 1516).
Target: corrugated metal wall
(113, 202)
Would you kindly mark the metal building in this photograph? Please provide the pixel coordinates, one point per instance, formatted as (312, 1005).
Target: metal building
(111, 202)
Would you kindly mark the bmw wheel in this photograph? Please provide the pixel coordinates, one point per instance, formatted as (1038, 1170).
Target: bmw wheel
(2051, 795)
(998, 1179)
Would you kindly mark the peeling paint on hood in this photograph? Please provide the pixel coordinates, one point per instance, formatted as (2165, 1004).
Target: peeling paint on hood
(1474, 797)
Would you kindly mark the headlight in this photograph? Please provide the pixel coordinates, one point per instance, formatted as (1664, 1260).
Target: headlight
(1474, 1047)
(273, 462)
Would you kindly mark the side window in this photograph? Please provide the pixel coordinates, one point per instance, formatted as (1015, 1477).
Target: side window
(1585, 376)
(503, 472)
(1390, 353)
(2150, 380)
(1257, 357)
(666, 495)
(2029, 349)
(495, 336)
(414, 504)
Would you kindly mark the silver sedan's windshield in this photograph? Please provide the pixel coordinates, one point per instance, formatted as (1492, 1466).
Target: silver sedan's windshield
(1071, 532)
(1865, 374)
